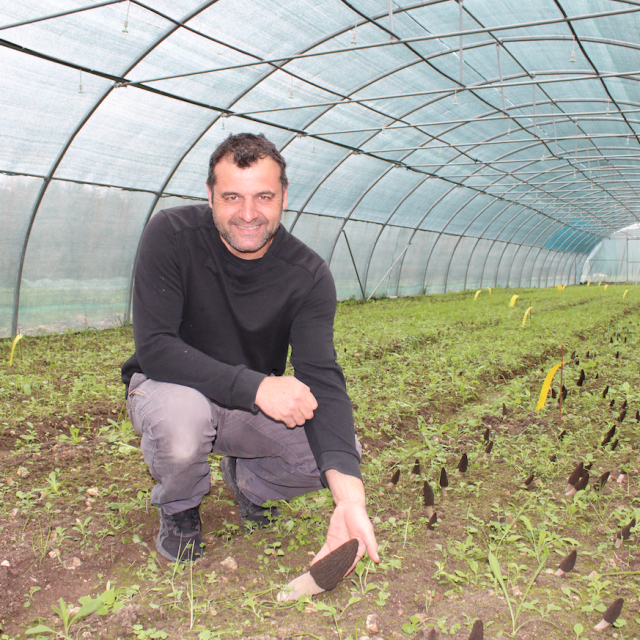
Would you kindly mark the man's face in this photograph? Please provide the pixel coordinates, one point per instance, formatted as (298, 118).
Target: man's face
(247, 205)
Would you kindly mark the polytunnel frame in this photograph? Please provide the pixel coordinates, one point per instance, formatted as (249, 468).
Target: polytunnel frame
(49, 177)
(240, 95)
(459, 236)
(535, 125)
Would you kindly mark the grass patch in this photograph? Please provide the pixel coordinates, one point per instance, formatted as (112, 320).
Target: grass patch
(427, 376)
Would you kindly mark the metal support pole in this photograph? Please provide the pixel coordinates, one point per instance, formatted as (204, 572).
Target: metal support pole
(354, 263)
(460, 49)
(504, 104)
(389, 271)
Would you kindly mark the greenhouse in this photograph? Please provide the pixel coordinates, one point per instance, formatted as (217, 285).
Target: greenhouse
(391, 393)
(432, 146)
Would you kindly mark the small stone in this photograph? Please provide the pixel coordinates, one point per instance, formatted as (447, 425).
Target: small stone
(5, 563)
(72, 564)
(364, 638)
(229, 564)
(93, 491)
(54, 554)
(9, 481)
(13, 513)
(372, 624)
(22, 472)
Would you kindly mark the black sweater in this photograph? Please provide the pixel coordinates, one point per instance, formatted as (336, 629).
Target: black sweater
(206, 319)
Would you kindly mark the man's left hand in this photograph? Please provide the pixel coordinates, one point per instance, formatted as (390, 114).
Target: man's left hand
(349, 519)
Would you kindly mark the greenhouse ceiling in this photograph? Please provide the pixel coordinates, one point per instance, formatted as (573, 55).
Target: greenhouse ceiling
(432, 146)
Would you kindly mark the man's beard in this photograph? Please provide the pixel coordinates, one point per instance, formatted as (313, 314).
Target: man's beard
(227, 235)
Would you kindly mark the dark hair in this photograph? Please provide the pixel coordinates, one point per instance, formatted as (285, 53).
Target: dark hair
(245, 150)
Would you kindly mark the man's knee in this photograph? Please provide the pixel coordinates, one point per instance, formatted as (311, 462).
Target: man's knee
(178, 419)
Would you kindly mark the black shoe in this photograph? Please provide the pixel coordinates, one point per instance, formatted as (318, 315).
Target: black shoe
(180, 538)
(249, 512)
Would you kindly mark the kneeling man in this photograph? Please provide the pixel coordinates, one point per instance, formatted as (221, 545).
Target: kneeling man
(221, 292)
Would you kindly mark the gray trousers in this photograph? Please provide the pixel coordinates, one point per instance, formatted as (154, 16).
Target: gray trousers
(179, 427)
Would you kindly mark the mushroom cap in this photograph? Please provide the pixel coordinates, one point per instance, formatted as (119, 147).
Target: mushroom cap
(416, 468)
(606, 390)
(625, 532)
(575, 474)
(623, 415)
(477, 633)
(569, 562)
(602, 480)
(328, 571)
(489, 446)
(427, 494)
(463, 464)
(432, 522)
(487, 434)
(529, 480)
(583, 482)
(395, 477)
(444, 479)
(613, 611)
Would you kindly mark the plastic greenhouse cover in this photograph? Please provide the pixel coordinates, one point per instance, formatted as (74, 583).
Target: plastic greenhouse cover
(497, 138)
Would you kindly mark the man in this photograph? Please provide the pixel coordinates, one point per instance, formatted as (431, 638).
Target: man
(221, 292)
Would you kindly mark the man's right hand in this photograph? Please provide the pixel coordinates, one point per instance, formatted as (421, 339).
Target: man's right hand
(286, 399)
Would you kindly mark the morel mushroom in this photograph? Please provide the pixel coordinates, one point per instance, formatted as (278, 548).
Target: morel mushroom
(324, 575)
(610, 615)
(567, 564)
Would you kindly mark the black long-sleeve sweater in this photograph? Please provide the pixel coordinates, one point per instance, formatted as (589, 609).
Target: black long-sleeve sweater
(206, 319)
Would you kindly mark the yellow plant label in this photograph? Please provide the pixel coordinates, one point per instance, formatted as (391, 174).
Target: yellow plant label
(489, 288)
(624, 295)
(546, 386)
(513, 300)
(606, 286)
(478, 292)
(526, 314)
(13, 348)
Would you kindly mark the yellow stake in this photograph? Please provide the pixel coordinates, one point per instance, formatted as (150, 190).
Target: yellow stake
(624, 295)
(478, 292)
(545, 387)
(564, 286)
(513, 300)
(13, 348)
(489, 291)
(605, 286)
(588, 284)
(526, 313)
(599, 283)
